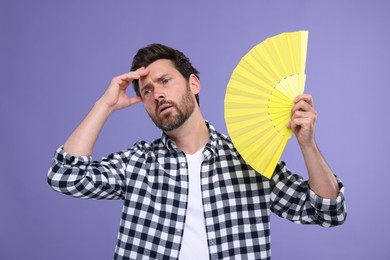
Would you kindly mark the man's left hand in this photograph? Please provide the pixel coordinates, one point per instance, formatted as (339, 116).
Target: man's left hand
(303, 119)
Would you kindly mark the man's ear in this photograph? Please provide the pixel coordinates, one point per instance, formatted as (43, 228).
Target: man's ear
(194, 83)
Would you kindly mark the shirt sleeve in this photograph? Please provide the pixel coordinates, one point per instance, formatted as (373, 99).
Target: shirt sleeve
(292, 198)
(83, 178)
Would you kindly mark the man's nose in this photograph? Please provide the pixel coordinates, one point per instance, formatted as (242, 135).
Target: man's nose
(159, 92)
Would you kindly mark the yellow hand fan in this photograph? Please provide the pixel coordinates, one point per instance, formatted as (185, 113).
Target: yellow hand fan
(259, 98)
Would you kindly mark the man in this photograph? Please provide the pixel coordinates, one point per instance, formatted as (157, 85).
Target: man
(189, 194)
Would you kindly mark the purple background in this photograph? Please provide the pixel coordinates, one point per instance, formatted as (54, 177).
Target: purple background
(57, 57)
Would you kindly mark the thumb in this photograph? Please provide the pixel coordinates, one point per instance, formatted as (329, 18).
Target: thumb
(133, 100)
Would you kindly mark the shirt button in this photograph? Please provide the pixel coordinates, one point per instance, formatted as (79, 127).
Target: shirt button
(183, 164)
(178, 230)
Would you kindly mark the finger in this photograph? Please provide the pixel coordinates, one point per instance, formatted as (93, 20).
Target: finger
(134, 100)
(311, 115)
(302, 106)
(302, 123)
(303, 111)
(301, 114)
(142, 71)
(293, 124)
(128, 101)
(304, 97)
(133, 75)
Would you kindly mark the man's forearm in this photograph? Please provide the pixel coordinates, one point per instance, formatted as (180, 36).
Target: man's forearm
(321, 178)
(81, 142)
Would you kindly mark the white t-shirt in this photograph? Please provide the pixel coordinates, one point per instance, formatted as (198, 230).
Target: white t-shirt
(194, 241)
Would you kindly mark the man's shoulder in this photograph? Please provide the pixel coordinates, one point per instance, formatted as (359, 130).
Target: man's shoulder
(146, 146)
(219, 137)
(222, 144)
(139, 151)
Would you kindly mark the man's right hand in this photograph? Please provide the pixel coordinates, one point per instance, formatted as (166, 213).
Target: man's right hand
(115, 97)
(82, 140)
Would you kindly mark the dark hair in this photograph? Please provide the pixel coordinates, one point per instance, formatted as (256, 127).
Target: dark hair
(153, 52)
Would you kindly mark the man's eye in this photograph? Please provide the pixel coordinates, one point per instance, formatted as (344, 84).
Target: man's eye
(146, 92)
(165, 81)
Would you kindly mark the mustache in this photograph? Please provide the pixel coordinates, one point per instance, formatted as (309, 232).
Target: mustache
(164, 102)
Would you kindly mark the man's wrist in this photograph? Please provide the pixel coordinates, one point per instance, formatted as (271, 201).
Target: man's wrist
(104, 107)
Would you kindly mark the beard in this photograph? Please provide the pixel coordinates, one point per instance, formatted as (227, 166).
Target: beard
(179, 114)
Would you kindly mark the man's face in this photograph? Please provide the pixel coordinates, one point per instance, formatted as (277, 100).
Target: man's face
(167, 96)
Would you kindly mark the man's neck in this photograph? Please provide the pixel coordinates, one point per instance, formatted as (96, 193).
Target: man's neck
(192, 135)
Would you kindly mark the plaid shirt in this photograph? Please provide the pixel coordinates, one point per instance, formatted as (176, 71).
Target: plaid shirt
(152, 180)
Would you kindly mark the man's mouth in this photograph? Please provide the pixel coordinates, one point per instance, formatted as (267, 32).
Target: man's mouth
(164, 107)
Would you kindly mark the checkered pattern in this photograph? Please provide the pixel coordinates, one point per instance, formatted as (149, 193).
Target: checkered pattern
(153, 182)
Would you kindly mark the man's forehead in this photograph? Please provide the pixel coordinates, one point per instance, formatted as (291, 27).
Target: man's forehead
(157, 70)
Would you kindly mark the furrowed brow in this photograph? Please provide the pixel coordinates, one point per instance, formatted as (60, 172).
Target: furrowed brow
(149, 84)
(161, 78)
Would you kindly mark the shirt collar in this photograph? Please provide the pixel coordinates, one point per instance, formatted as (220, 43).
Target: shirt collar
(210, 149)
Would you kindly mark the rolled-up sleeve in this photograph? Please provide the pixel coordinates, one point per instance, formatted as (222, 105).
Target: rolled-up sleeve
(293, 199)
(330, 212)
(83, 178)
